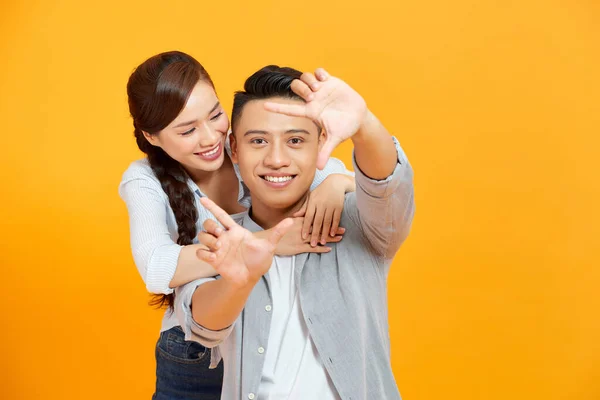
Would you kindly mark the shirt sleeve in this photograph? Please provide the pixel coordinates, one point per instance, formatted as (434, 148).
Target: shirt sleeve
(333, 166)
(154, 251)
(183, 312)
(384, 209)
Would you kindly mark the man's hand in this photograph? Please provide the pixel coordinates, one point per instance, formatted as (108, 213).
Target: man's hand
(237, 255)
(335, 106)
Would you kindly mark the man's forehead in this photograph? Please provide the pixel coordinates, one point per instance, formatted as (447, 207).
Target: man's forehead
(255, 117)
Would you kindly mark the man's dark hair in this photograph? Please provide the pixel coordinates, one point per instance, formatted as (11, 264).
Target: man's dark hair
(268, 82)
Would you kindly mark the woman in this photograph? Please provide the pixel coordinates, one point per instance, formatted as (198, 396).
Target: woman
(182, 128)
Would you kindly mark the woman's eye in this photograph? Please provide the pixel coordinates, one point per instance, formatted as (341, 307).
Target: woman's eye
(188, 132)
(216, 116)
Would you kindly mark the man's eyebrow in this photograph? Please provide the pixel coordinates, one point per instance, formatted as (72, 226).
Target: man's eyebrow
(255, 131)
(192, 121)
(288, 132)
(292, 131)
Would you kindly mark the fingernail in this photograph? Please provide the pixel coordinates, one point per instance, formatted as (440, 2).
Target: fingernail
(218, 231)
(310, 97)
(332, 233)
(315, 86)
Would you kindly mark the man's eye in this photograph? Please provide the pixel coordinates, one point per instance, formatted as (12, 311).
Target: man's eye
(258, 141)
(296, 140)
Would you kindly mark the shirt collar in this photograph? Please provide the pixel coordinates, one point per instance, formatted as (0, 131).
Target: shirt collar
(249, 223)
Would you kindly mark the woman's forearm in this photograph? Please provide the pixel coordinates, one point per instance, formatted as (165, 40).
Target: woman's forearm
(189, 267)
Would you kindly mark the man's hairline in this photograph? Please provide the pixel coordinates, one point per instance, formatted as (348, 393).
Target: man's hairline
(296, 98)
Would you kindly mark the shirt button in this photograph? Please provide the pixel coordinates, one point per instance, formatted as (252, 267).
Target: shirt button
(268, 308)
(261, 350)
(251, 396)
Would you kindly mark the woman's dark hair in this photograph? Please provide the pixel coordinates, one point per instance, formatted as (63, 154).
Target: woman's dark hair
(157, 92)
(267, 82)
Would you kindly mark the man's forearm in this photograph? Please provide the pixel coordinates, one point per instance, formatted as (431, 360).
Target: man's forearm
(374, 149)
(217, 304)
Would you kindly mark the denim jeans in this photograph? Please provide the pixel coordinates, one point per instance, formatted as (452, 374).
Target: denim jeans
(182, 369)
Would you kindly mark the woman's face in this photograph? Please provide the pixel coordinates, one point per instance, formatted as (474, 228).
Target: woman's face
(196, 137)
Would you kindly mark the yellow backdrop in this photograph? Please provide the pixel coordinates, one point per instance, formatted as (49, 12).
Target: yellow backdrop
(494, 296)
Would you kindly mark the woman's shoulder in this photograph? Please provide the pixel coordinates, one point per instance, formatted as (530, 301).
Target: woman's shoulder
(139, 169)
(139, 176)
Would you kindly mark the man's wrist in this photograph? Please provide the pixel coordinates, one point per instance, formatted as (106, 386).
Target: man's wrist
(368, 125)
(234, 288)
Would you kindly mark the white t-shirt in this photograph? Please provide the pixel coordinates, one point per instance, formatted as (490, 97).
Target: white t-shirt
(293, 369)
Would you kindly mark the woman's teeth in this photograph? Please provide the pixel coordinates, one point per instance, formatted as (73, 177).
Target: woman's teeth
(210, 153)
(278, 179)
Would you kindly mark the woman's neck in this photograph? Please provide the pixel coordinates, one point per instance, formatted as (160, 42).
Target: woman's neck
(206, 178)
(221, 186)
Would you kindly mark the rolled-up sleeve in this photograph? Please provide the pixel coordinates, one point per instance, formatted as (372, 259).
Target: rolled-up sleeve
(183, 312)
(384, 209)
(154, 251)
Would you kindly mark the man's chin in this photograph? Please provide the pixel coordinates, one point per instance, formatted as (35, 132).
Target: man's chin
(281, 205)
(279, 201)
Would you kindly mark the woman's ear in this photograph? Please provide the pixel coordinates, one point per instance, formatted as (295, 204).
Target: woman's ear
(152, 139)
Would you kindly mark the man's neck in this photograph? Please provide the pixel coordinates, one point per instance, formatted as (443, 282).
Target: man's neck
(267, 217)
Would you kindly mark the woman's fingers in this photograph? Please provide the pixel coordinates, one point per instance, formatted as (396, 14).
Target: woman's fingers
(209, 241)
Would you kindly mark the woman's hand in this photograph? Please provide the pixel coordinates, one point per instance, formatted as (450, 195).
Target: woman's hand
(322, 209)
(292, 242)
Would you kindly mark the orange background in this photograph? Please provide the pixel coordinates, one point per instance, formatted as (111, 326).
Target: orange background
(494, 296)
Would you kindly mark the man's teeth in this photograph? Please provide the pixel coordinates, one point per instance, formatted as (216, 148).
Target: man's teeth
(210, 153)
(278, 178)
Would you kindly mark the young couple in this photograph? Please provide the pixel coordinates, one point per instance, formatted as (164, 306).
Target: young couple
(309, 323)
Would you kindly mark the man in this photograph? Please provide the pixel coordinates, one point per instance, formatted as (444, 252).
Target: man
(313, 326)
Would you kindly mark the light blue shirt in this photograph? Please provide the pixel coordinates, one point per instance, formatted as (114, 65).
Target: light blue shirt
(153, 228)
(343, 297)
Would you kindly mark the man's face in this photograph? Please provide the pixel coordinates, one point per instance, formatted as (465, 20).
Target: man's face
(276, 153)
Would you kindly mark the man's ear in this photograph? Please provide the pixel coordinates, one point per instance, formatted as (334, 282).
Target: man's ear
(233, 146)
(152, 139)
(322, 138)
